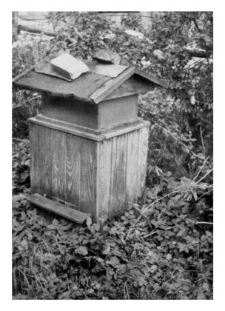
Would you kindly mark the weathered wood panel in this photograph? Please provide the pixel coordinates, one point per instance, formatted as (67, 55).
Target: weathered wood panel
(118, 175)
(134, 85)
(132, 166)
(80, 88)
(122, 169)
(88, 176)
(41, 165)
(58, 208)
(97, 177)
(117, 111)
(142, 159)
(73, 167)
(104, 177)
(58, 153)
(34, 156)
(71, 111)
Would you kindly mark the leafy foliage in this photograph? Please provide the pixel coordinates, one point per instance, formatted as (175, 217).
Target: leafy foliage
(162, 247)
(155, 251)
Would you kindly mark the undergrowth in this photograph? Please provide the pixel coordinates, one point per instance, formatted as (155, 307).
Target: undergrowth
(160, 248)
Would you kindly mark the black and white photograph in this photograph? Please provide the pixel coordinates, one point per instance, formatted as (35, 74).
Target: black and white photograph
(112, 155)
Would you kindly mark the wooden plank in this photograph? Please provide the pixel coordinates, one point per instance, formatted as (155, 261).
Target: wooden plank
(134, 85)
(125, 128)
(80, 88)
(40, 159)
(111, 85)
(73, 159)
(35, 158)
(65, 127)
(117, 111)
(151, 78)
(142, 161)
(70, 111)
(132, 167)
(118, 175)
(58, 208)
(58, 156)
(104, 177)
(88, 176)
(45, 139)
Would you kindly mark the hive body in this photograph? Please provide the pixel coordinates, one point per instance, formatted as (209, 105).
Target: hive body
(88, 145)
(97, 170)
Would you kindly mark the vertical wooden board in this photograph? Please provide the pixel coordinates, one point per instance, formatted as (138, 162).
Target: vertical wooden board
(118, 175)
(88, 176)
(58, 155)
(34, 157)
(73, 157)
(45, 160)
(104, 176)
(41, 159)
(142, 162)
(132, 167)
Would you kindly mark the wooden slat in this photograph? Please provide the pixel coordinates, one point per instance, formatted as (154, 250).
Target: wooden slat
(80, 88)
(45, 158)
(66, 127)
(151, 78)
(58, 208)
(104, 177)
(111, 85)
(125, 129)
(58, 154)
(134, 85)
(118, 175)
(40, 139)
(142, 159)
(88, 176)
(73, 159)
(132, 167)
(34, 155)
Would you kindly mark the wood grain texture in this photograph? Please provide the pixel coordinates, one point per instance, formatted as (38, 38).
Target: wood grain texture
(88, 176)
(111, 85)
(142, 159)
(58, 208)
(118, 175)
(96, 177)
(41, 164)
(80, 88)
(122, 169)
(34, 156)
(58, 154)
(73, 167)
(134, 85)
(104, 178)
(132, 167)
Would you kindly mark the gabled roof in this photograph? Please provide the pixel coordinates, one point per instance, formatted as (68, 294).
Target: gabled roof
(89, 87)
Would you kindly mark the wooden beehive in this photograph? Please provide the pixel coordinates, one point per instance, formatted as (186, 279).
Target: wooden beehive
(88, 145)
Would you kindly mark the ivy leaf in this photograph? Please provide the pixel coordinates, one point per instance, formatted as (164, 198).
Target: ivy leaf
(82, 250)
(168, 257)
